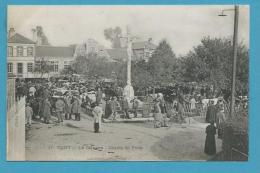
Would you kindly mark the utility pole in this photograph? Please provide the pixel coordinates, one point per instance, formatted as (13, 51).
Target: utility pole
(233, 89)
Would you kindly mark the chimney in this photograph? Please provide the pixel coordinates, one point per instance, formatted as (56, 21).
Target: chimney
(38, 35)
(11, 32)
(34, 36)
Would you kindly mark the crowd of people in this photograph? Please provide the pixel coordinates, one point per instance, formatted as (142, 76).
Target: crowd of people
(65, 100)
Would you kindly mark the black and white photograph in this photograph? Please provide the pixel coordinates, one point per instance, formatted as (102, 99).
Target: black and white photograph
(127, 82)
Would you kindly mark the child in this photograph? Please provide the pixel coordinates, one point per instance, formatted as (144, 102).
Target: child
(28, 114)
(97, 112)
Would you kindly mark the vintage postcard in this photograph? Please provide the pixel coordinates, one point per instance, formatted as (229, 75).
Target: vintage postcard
(127, 83)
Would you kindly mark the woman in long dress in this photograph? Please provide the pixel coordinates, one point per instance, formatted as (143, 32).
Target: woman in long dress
(210, 143)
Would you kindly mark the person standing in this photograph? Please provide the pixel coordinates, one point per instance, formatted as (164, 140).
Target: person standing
(75, 108)
(180, 107)
(114, 105)
(157, 114)
(135, 106)
(47, 111)
(59, 105)
(28, 114)
(99, 95)
(67, 101)
(220, 120)
(46, 92)
(211, 112)
(162, 104)
(97, 113)
(108, 108)
(41, 107)
(30, 98)
(125, 108)
(210, 143)
(192, 104)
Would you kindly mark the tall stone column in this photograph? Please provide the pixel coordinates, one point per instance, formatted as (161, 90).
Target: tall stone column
(128, 90)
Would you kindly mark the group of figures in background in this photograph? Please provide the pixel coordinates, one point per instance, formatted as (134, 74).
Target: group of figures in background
(47, 99)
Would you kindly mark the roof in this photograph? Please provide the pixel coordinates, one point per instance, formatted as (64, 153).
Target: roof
(142, 45)
(52, 51)
(117, 54)
(18, 38)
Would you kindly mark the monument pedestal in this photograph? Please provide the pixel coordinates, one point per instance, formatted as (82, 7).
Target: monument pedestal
(129, 92)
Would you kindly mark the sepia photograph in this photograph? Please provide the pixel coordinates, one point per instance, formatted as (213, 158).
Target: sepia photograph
(127, 83)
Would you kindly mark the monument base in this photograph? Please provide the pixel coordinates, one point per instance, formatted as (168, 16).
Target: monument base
(129, 92)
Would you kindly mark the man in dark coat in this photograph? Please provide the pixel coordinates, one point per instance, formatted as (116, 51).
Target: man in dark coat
(210, 143)
(99, 95)
(211, 112)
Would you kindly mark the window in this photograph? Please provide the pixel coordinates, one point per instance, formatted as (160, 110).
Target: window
(19, 51)
(66, 64)
(20, 68)
(10, 51)
(29, 67)
(10, 67)
(56, 66)
(30, 51)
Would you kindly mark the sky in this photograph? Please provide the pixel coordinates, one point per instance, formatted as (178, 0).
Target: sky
(182, 26)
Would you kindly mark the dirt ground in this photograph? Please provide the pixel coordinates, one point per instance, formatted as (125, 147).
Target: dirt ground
(75, 141)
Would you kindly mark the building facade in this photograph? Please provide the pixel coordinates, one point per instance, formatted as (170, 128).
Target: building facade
(143, 50)
(90, 46)
(20, 55)
(58, 58)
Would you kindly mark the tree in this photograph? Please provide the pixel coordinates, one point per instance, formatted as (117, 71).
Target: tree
(98, 66)
(80, 66)
(43, 67)
(141, 78)
(113, 35)
(211, 62)
(163, 63)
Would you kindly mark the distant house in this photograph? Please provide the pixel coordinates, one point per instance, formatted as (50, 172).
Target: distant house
(90, 46)
(118, 54)
(20, 55)
(58, 57)
(143, 50)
